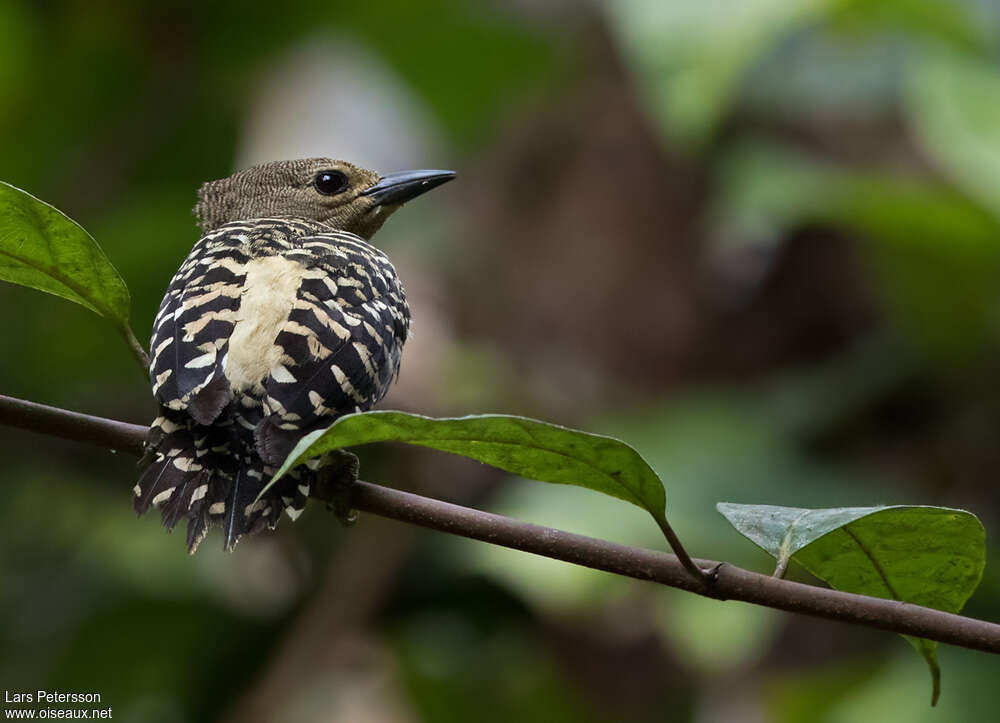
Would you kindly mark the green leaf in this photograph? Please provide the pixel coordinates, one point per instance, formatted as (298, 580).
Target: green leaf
(42, 248)
(519, 445)
(930, 556)
(953, 105)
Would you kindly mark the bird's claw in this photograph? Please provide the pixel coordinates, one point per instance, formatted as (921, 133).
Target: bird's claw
(334, 479)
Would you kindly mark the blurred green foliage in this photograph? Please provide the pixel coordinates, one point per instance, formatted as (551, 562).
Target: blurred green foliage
(758, 241)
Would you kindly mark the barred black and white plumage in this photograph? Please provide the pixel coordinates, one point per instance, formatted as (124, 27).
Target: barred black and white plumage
(282, 318)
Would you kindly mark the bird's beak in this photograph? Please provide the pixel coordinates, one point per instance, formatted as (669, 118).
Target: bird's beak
(396, 189)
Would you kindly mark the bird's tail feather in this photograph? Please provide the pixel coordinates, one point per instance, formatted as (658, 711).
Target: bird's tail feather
(172, 464)
(193, 473)
(241, 502)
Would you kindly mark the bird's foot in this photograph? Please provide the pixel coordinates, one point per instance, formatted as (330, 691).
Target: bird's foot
(334, 479)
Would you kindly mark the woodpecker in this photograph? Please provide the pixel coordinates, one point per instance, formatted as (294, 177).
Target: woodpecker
(282, 318)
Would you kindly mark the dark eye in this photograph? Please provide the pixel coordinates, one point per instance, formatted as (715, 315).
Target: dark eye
(330, 183)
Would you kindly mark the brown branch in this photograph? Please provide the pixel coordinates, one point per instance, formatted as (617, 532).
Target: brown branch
(72, 425)
(733, 583)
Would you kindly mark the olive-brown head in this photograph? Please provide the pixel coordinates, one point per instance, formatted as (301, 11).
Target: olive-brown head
(335, 193)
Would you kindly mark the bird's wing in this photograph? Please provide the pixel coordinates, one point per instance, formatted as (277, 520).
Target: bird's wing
(341, 343)
(194, 323)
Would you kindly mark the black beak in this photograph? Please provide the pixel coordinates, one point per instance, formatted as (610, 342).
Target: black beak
(398, 188)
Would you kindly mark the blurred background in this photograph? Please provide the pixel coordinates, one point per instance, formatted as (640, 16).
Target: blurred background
(759, 241)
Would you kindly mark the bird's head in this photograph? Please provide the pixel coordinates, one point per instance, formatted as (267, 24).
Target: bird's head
(336, 193)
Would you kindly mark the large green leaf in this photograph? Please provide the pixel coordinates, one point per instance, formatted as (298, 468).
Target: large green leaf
(519, 445)
(42, 248)
(953, 106)
(931, 556)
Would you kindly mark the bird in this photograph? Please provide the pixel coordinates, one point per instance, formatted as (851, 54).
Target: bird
(282, 318)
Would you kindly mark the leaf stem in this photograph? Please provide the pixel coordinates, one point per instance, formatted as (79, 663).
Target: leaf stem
(784, 553)
(781, 568)
(706, 577)
(137, 349)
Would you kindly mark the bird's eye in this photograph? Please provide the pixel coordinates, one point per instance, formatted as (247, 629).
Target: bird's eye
(330, 183)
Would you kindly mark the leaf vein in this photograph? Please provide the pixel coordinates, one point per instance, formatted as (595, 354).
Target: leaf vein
(873, 561)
